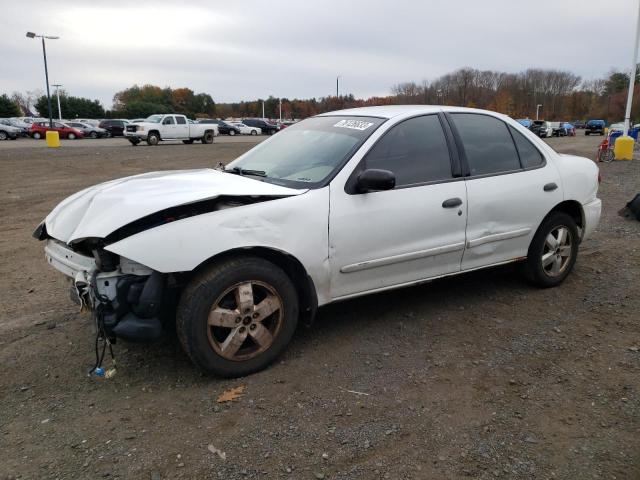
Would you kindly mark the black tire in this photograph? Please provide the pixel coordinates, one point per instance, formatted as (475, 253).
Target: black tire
(3, 135)
(37, 135)
(207, 138)
(534, 270)
(134, 141)
(188, 142)
(253, 132)
(71, 136)
(108, 134)
(232, 133)
(586, 133)
(153, 139)
(93, 134)
(206, 288)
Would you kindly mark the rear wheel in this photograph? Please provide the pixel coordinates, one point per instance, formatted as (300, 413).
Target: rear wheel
(71, 136)
(153, 139)
(207, 138)
(3, 135)
(253, 132)
(93, 134)
(553, 251)
(236, 317)
(232, 133)
(37, 135)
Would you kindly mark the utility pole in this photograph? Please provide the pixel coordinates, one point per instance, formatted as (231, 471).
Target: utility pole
(280, 101)
(338, 86)
(46, 70)
(57, 85)
(263, 109)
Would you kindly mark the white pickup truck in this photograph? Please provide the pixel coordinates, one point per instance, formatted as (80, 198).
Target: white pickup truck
(169, 127)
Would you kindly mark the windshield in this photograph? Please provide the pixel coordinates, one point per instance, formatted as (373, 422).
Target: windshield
(154, 118)
(305, 154)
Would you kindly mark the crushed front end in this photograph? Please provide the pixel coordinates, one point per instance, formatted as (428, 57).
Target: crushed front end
(125, 297)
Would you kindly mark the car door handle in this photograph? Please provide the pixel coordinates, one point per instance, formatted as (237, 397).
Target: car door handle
(452, 203)
(550, 187)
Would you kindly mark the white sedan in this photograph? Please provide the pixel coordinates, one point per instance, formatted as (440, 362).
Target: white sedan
(337, 206)
(246, 129)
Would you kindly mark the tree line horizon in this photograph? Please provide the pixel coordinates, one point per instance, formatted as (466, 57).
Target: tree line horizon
(561, 94)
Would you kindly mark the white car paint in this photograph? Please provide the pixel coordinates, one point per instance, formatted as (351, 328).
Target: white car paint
(169, 127)
(245, 129)
(348, 244)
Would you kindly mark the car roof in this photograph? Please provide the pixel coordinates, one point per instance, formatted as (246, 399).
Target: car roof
(390, 111)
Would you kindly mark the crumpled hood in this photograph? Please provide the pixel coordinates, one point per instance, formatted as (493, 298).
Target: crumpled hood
(99, 210)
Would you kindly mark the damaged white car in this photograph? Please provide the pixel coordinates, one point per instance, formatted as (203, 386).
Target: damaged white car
(340, 205)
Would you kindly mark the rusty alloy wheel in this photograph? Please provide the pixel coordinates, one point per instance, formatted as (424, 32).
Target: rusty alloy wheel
(245, 320)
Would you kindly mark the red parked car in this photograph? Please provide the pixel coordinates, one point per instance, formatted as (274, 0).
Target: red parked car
(39, 130)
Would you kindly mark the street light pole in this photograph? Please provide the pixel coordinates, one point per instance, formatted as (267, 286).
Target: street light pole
(57, 85)
(538, 111)
(632, 78)
(338, 86)
(46, 70)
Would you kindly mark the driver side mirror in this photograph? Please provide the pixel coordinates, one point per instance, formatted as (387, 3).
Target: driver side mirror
(375, 180)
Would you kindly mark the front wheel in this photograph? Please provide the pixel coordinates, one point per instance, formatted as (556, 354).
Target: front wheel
(93, 134)
(37, 135)
(3, 135)
(253, 132)
(232, 133)
(236, 317)
(553, 251)
(153, 139)
(71, 136)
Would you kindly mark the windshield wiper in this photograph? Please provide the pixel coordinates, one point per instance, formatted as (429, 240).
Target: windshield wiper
(246, 171)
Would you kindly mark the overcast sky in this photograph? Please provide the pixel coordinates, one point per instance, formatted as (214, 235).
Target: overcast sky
(246, 49)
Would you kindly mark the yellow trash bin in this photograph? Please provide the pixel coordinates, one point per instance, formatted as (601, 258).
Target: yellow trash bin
(623, 148)
(53, 139)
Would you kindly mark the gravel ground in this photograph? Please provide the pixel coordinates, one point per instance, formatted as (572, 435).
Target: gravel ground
(479, 376)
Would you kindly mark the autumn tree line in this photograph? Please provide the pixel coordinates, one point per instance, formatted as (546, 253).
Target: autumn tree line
(561, 94)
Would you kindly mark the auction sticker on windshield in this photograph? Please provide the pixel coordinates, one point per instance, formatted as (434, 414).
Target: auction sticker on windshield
(353, 124)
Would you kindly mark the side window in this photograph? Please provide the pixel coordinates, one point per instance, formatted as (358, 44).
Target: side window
(487, 143)
(168, 121)
(530, 156)
(181, 120)
(415, 151)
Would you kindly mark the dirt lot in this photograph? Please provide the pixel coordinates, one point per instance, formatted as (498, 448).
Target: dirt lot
(480, 376)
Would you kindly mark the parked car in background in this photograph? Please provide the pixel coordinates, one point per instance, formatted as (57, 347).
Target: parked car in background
(88, 129)
(580, 124)
(224, 128)
(159, 127)
(137, 120)
(557, 129)
(616, 127)
(330, 209)
(266, 127)
(569, 129)
(22, 131)
(9, 132)
(114, 128)
(541, 128)
(525, 122)
(40, 129)
(24, 126)
(245, 129)
(594, 127)
(88, 121)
